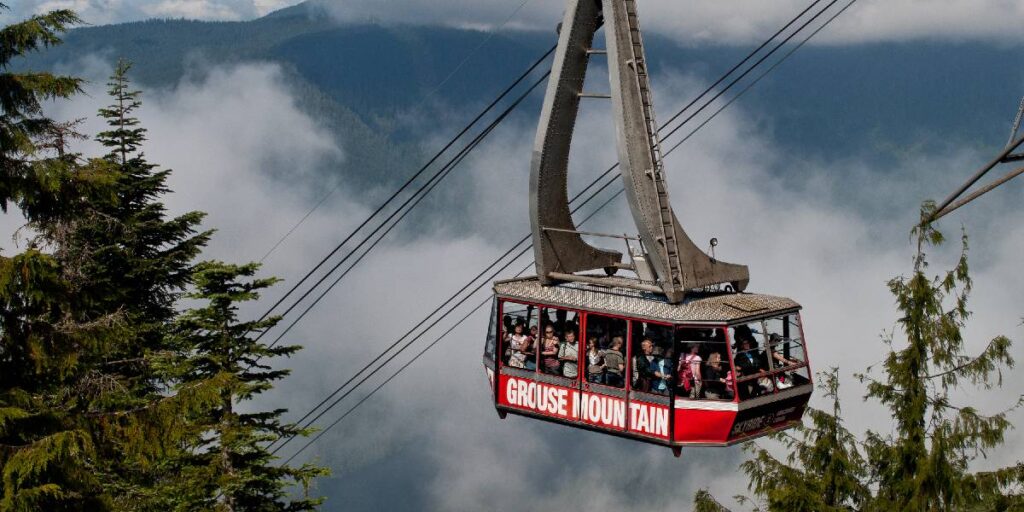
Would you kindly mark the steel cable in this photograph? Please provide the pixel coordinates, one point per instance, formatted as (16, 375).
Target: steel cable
(405, 186)
(606, 184)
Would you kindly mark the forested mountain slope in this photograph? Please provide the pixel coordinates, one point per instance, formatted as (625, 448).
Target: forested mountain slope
(876, 100)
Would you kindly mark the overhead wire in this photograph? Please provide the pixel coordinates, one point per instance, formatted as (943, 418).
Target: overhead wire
(420, 354)
(428, 328)
(591, 197)
(606, 184)
(487, 39)
(752, 67)
(742, 62)
(394, 195)
(762, 75)
(689, 118)
(433, 91)
(425, 320)
(412, 202)
(462, 155)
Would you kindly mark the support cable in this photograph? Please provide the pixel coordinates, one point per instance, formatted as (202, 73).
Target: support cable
(744, 61)
(607, 183)
(523, 251)
(544, 57)
(407, 183)
(411, 202)
(754, 66)
(980, 173)
(977, 193)
(428, 95)
(425, 349)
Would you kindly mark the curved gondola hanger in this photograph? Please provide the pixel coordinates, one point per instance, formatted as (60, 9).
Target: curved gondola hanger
(666, 260)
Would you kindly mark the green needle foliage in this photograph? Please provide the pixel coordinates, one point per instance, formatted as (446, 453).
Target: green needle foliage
(22, 122)
(45, 453)
(926, 463)
(109, 397)
(126, 264)
(929, 460)
(823, 470)
(227, 466)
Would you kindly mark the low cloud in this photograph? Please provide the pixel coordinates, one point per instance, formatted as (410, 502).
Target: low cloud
(431, 439)
(102, 12)
(733, 22)
(695, 22)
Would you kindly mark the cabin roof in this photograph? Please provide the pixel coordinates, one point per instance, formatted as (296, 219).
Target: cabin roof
(701, 307)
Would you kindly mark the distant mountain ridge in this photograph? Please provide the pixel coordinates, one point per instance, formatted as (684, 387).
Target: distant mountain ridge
(826, 101)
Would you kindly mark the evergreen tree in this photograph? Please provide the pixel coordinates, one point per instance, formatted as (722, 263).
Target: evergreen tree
(44, 453)
(824, 469)
(226, 465)
(132, 261)
(928, 462)
(925, 464)
(704, 501)
(22, 122)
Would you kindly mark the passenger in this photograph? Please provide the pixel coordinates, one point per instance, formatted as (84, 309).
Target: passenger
(595, 363)
(549, 352)
(748, 362)
(642, 376)
(530, 349)
(662, 370)
(519, 343)
(781, 361)
(689, 371)
(614, 363)
(568, 354)
(717, 384)
(506, 322)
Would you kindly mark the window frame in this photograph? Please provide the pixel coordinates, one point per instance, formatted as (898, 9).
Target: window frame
(656, 398)
(537, 373)
(772, 372)
(584, 343)
(727, 363)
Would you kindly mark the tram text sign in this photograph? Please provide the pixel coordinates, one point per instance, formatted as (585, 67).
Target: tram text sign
(590, 408)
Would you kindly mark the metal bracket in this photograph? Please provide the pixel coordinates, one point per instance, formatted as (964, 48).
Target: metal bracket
(677, 263)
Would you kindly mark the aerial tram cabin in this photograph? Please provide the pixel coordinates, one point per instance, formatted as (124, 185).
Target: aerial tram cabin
(742, 393)
(659, 343)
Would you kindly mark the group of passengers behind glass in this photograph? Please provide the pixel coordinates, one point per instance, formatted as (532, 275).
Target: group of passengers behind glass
(557, 348)
(755, 366)
(701, 371)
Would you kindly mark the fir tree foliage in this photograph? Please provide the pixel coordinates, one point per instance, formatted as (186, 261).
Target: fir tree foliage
(109, 398)
(704, 501)
(45, 452)
(925, 464)
(22, 122)
(227, 466)
(931, 458)
(128, 263)
(147, 261)
(823, 470)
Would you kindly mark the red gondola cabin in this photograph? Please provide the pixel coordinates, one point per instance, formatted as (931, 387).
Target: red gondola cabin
(714, 370)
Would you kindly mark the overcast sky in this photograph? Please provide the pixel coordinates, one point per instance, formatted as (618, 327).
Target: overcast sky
(696, 21)
(431, 440)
